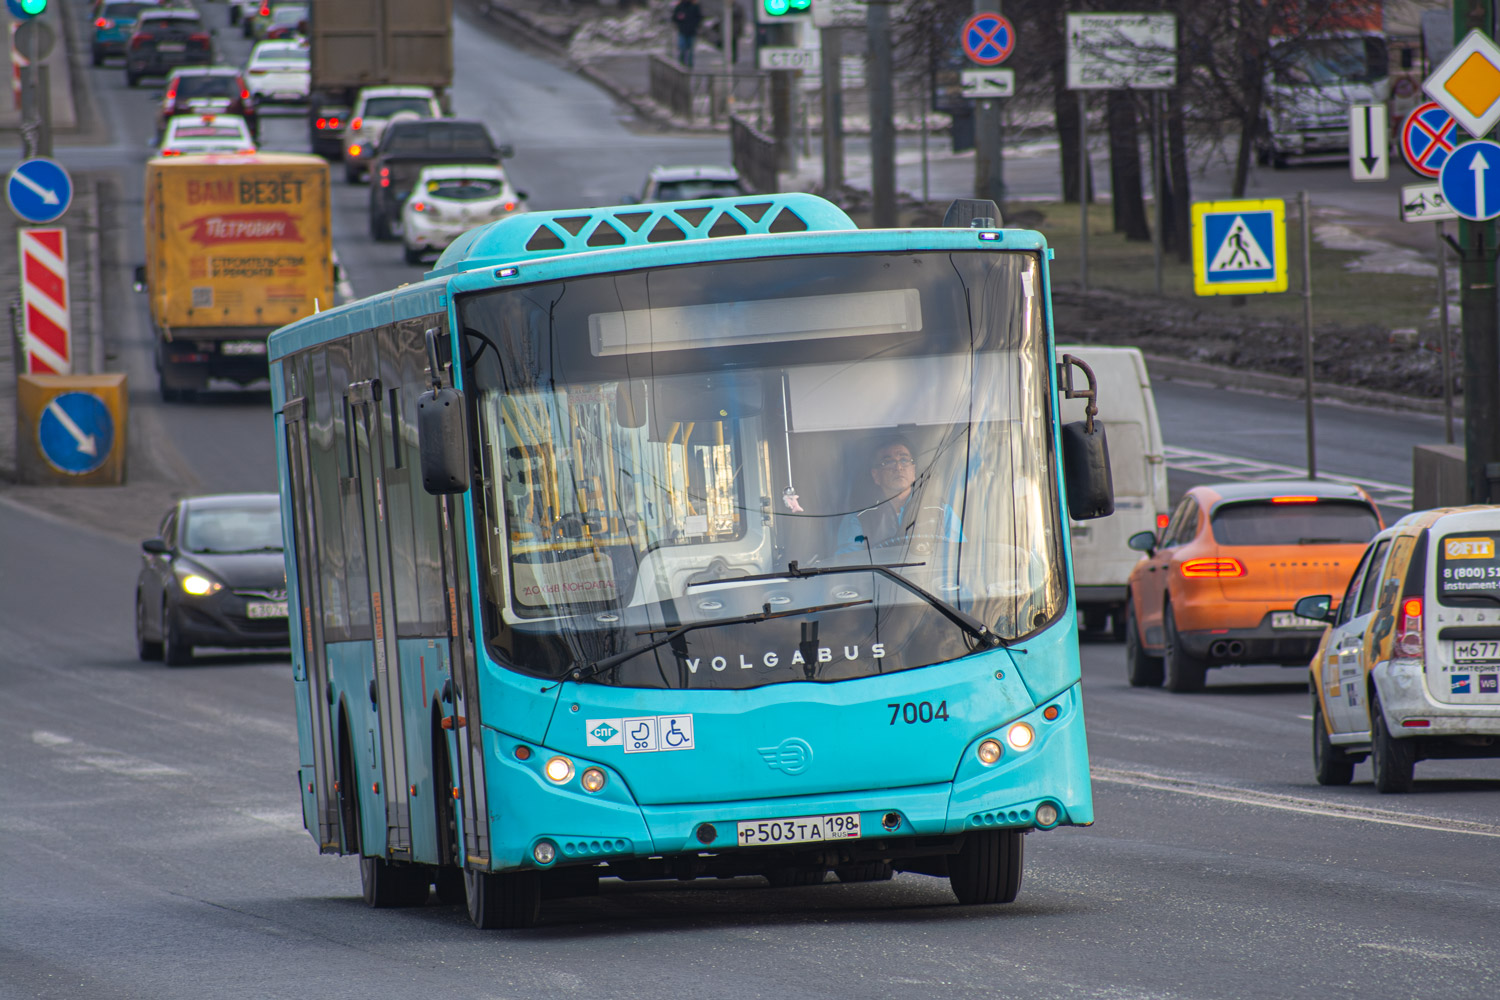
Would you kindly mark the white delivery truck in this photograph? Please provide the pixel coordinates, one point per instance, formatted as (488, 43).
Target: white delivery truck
(1101, 559)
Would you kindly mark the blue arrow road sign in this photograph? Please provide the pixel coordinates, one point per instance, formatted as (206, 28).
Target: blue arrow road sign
(39, 190)
(76, 432)
(1470, 180)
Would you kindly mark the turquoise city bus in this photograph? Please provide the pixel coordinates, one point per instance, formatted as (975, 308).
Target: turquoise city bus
(698, 539)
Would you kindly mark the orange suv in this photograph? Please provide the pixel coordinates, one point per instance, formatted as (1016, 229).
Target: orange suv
(1218, 583)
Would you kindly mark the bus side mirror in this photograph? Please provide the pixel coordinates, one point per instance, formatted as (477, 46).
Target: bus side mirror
(1091, 486)
(1318, 608)
(442, 441)
(442, 437)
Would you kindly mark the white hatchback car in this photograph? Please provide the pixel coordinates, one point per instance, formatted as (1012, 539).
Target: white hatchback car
(187, 135)
(1410, 669)
(278, 72)
(374, 108)
(446, 202)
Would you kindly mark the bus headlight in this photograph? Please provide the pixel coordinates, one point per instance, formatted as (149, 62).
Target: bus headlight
(592, 780)
(559, 770)
(544, 852)
(1020, 736)
(989, 751)
(1046, 814)
(199, 585)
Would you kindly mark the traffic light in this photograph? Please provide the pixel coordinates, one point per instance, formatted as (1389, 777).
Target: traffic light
(23, 10)
(776, 10)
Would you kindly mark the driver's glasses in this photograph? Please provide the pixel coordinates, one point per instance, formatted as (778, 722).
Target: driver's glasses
(894, 463)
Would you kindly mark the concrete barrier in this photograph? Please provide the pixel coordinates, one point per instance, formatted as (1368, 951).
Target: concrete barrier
(1438, 477)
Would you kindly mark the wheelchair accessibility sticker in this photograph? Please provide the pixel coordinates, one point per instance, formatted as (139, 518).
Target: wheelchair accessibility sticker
(650, 734)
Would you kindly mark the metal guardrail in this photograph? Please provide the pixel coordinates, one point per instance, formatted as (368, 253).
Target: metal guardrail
(754, 155)
(720, 94)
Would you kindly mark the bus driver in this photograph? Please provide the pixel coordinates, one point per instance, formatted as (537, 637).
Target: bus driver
(899, 518)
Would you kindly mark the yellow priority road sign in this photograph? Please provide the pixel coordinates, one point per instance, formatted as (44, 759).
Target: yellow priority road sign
(1239, 247)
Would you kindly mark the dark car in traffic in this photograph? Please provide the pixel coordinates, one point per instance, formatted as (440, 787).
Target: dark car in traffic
(409, 145)
(165, 38)
(200, 90)
(213, 576)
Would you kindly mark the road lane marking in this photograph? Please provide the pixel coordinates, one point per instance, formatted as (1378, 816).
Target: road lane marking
(1247, 470)
(99, 758)
(1292, 803)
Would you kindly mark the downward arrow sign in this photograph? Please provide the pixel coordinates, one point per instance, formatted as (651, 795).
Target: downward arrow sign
(86, 443)
(1369, 159)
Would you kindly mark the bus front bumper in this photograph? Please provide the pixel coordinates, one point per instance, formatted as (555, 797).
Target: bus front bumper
(609, 826)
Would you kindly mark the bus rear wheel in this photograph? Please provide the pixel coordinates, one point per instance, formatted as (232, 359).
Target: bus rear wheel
(499, 900)
(386, 885)
(988, 867)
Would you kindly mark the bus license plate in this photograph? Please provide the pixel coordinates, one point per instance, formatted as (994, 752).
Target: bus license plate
(244, 347)
(799, 829)
(1477, 651)
(266, 609)
(1286, 619)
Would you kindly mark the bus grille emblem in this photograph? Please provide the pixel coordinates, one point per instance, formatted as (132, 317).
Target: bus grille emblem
(790, 756)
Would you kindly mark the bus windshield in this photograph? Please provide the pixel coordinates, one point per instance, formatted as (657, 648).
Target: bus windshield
(656, 448)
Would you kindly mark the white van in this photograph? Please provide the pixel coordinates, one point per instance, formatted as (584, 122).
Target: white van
(1101, 559)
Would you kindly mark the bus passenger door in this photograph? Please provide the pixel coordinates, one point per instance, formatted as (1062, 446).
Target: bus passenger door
(369, 468)
(313, 666)
(465, 710)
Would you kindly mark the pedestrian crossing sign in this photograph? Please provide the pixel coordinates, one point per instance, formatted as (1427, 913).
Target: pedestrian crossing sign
(1239, 247)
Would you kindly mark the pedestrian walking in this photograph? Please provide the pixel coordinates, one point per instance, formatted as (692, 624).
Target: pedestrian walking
(687, 15)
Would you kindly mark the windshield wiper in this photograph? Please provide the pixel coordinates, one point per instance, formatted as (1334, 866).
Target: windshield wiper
(957, 616)
(675, 632)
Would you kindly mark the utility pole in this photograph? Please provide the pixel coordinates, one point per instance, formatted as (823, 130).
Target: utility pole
(832, 40)
(882, 116)
(989, 165)
(1481, 317)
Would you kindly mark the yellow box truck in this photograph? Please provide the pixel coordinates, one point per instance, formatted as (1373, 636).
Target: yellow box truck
(236, 246)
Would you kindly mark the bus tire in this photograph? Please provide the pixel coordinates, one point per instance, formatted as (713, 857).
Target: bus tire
(387, 886)
(498, 900)
(1392, 760)
(865, 871)
(1331, 765)
(1184, 672)
(1141, 668)
(988, 867)
(791, 877)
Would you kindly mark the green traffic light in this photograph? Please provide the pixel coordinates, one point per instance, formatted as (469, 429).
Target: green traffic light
(777, 7)
(33, 7)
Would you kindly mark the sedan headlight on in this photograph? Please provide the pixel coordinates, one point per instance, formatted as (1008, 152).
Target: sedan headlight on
(198, 586)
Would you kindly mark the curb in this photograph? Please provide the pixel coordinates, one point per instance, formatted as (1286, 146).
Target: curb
(1175, 369)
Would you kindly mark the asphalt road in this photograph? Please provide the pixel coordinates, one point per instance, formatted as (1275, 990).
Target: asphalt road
(150, 833)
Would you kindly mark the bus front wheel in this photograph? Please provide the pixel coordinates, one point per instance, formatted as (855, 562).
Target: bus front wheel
(988, 867)
(503, 899)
